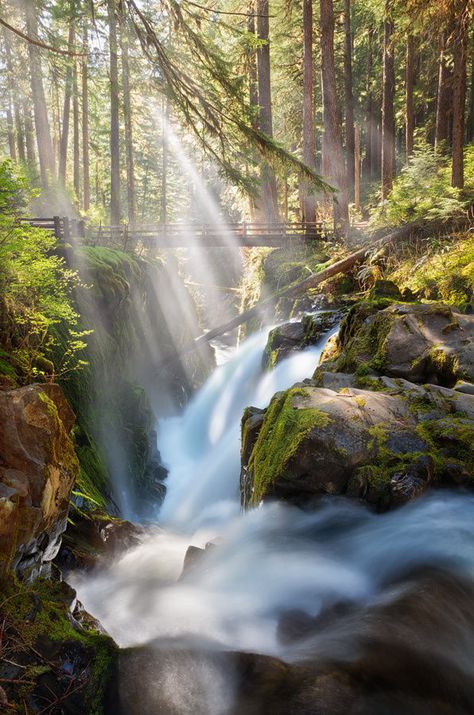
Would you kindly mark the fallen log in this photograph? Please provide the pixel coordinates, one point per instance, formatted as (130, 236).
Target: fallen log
(420, 229)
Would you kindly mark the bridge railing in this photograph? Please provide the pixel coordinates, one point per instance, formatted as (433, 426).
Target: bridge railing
(181, 234)
(63, 227)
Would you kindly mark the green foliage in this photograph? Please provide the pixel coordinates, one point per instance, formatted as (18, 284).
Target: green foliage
(445, 271)
(423, 189)
(36, 292)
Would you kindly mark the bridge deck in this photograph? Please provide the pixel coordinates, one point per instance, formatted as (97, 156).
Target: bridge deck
(243, 235)
(181, 235)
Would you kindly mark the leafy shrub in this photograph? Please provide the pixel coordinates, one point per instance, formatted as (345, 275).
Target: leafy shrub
(35, 291)
(423, 189)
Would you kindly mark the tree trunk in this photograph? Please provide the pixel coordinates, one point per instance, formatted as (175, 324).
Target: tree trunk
(85, 122)
(29, 134)
(67, 106)
(369, 109)
(444, 100)
(309, 140)
(470, 121)
(459, 100)
(268, 180)
(76, 152)
(165, 110)
(10, 128)
(115, 213)
(388, 114)
(333, 151)
(409, 96)
(127, 114)
(43, 134)
(15, 120)
(357, 169)
(252, 67)
(348, 93)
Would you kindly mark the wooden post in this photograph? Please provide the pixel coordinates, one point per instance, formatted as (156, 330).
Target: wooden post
(66, 229)
(57, 226)
(357, 168)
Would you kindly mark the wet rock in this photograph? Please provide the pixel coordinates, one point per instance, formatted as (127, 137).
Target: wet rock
(294, 336)
(95, 538)
(408, 653)
(38, 467)
(420, 343)
(384, 446)
(193, 558)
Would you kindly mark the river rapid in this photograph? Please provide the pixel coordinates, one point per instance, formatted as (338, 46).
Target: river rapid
(340, 559)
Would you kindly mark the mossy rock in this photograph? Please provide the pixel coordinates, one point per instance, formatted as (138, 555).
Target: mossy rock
(297, 335)
(385, 446)
(56, 651)
(418, 342)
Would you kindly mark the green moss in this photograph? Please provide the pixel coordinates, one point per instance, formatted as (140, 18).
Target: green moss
(446, 272)
(37, 616)
(451, 437)
(284, 428)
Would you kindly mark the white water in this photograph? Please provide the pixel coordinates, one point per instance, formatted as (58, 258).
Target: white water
(271, 559)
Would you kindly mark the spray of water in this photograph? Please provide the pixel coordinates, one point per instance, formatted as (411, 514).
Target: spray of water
(268, 563)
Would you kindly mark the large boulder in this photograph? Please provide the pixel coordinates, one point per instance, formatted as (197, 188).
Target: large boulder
(297, 335)
(38, 467)
(386, 445)
(418, 342)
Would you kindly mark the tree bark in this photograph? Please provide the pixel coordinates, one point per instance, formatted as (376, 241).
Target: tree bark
(357, 169)
(43, 134)
(268, 180)
(309, 139)
(459, 100)
(76, 152)
(86, 189)
(15, 120)
(470, 121)
(409, 96)
(369, 109)
(388, 113)
(444, 100)
(333, 150)
(115, 211)
(164, 162)
(349, 98)
(29, 134)
(127, 114)
(10, 127)
(63, 146)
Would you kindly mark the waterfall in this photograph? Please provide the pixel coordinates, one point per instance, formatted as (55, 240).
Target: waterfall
(201, 446)
(268, 562)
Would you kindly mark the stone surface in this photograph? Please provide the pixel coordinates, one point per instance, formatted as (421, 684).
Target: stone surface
(385, 445)
(400, 655)
(420, 343)
(38, 467)
(297, 335)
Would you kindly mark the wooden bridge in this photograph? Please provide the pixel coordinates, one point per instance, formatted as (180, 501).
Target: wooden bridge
(185, 235)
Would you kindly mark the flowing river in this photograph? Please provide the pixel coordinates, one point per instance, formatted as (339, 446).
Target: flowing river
(268, 562)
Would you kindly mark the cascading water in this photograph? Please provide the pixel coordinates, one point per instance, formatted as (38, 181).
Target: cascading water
(269, 561)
